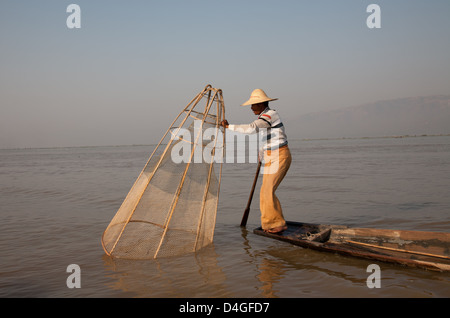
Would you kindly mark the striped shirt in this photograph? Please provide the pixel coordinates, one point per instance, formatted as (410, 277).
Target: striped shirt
(269, 125)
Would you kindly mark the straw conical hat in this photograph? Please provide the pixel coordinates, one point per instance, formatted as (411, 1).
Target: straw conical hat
(258, 96)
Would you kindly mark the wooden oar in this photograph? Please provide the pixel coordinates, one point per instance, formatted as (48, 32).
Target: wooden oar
(247, 209)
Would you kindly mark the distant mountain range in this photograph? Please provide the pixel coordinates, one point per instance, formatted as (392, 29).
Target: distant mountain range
(428, 115)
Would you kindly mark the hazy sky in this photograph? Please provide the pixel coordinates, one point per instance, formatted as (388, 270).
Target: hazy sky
(133, 65)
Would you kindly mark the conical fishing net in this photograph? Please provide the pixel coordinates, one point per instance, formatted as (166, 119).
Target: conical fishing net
(171, 208)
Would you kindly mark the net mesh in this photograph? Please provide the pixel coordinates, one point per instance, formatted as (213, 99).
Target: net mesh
(171, 208)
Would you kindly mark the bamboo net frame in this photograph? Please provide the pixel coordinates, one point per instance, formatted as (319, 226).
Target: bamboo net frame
(171, 208)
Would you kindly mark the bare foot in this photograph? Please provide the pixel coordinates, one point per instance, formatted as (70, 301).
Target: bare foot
(276, 229)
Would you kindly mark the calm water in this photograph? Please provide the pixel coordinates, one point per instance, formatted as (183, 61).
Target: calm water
(56, 203)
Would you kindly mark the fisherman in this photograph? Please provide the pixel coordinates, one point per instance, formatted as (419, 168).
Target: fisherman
(275, 153)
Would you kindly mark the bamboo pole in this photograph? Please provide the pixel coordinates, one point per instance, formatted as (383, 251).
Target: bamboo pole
(398, 250)
(221, 112)
(177, 193)
(206, 190)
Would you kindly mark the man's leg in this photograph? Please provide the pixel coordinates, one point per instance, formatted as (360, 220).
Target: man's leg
(271, 211)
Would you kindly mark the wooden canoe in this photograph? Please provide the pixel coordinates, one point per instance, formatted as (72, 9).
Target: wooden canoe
(426, 250)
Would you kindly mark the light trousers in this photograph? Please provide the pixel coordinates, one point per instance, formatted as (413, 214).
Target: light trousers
(276, 164)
